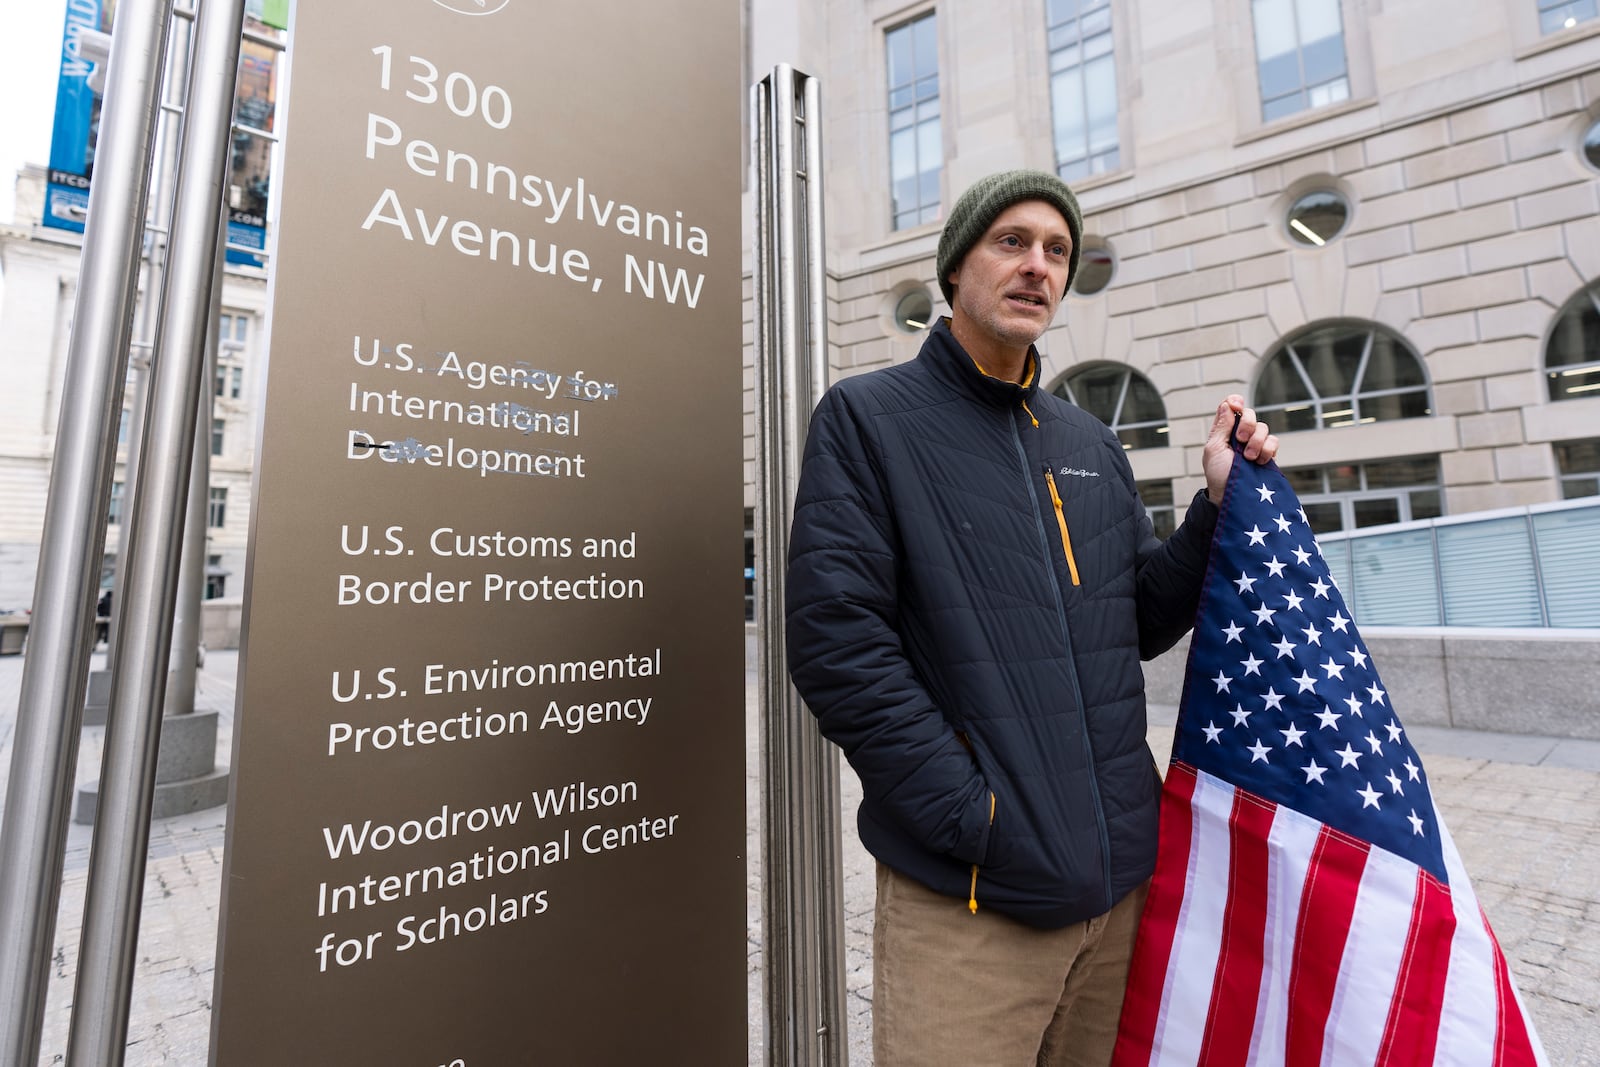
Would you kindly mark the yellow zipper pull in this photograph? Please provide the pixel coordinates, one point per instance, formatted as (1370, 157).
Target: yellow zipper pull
(1061, 520)
(972, 896)
(1029, 410)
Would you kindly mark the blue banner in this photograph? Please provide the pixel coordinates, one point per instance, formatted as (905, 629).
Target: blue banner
(77, 113)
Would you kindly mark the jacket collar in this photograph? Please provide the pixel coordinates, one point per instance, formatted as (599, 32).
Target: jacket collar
(950, 363)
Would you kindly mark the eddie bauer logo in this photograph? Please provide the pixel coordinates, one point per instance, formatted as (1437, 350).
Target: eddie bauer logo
(473, 7)
(1077, 472)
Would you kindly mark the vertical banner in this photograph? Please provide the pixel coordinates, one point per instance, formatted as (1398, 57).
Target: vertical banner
(489, 754)
(250, 163)
(77, 116)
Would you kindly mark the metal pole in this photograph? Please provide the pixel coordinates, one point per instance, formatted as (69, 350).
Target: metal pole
(184, 662)
(50, 707)
(157, 228)
(99, 1029)
(830, 854)
(802, 876)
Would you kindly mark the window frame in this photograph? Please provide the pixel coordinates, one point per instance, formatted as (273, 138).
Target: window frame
(1347, 499)
(1062, 388)
(1116, 153)
(905, 23)
(1566, 476)
(1591, 291)
(1303, 88)
(217, 507)
(1285, 346)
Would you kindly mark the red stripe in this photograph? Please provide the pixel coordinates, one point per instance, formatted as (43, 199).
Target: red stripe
(1237, 987)
(1327, 902)
(1141, 1005)
(1412, 1030)
(1513, 1047)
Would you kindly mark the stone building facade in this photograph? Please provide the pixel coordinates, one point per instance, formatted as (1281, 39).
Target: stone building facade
(39, 268)
(1444, 329)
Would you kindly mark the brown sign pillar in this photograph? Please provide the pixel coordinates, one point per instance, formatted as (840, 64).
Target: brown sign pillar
(489, 751)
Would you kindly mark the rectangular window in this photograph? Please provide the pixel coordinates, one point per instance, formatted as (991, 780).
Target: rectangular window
(1083, 86)
(217, 430)
(114, 513)
(217, 508)
(1299, 55)
(1580, 468)
(230, 382)
(216, 578)
(1558, 15)
(916, 152)
(1157, 499)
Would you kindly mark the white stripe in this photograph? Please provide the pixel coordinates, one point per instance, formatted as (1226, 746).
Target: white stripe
(1291, 843)
(1371, 962)
(1470, 1009)
(1186, 997)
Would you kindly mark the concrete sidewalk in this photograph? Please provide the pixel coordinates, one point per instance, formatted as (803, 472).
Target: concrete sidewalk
(1525, 812)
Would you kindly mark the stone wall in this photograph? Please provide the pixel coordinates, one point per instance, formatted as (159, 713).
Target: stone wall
(1507, 681)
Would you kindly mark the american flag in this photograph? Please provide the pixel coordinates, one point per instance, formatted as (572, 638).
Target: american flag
(1308, 905)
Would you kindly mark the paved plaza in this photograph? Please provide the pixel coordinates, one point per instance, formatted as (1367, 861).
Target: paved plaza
(1525, 812)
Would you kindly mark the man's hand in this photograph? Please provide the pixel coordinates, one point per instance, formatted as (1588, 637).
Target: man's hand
(1260, 446)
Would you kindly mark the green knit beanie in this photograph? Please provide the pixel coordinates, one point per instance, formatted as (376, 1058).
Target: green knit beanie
(983, 202)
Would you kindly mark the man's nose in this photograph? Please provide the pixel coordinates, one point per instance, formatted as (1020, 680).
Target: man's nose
(1034, 264)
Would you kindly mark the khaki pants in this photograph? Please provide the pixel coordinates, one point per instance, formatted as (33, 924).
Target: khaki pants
(953, 988)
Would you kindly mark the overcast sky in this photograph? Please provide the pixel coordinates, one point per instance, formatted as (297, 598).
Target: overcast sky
(30, 60)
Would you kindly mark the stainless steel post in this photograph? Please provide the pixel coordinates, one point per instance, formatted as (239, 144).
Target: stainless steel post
(803, 910)
(99, 1029)
(50, 708)
(162, 169)
(184, 662)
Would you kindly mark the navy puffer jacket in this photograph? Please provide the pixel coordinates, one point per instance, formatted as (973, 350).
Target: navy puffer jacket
(972, 583)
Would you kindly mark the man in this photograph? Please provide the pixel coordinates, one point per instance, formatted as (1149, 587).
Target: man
(972, 583)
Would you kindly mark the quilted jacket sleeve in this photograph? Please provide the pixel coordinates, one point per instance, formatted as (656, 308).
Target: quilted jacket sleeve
(1170, 573)
(846, 656)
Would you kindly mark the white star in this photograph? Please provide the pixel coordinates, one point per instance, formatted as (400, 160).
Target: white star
(1306, 683)
(1292, 736)
(1313, 773)
(1375, 693)
(1233, 630)
(1335, 670)
(1244, 583)
(1266, 494)
(1240, 716)
(1223, 681)
(1355, 705)
(1412, 770)
(1394, 784)
(1258, 752)
(1285, 647)
(1377, 746)
(1293, 601)
(1273, 700)
(1339, 622)
(1313, 636)
(1330, 718)
(1212, 731)
(1303, 518)
(1394, 731)
(1348, 755)
(1302, 557)
(1257, 535)
(1358, 657)
(1283, 524)
(1263, 614)
(1369, 797)
(1274, 567)
(1251, 665)
(1416, 823)
(1320, 587)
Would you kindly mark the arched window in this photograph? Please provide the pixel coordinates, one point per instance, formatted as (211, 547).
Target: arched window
(1120, 397)
(1572, 355)
(1342, 374)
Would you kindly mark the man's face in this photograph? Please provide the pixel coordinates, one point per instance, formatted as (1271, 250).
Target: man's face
(1011, 282)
